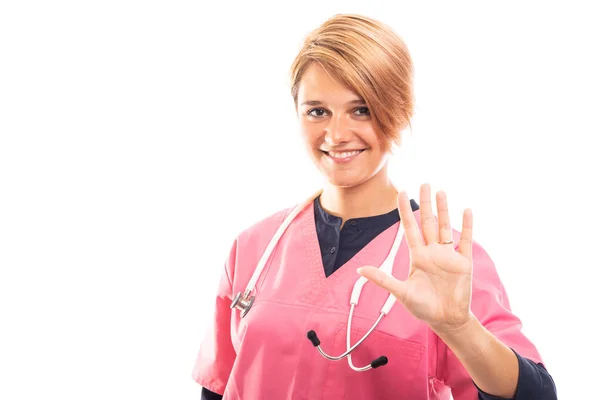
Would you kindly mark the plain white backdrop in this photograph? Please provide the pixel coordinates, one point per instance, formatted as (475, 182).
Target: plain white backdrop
(137, 138)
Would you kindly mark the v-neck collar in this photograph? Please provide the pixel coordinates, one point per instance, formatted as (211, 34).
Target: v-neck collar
(320, 289)
(382, 221)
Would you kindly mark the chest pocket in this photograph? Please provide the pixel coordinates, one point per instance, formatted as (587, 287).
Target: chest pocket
(399, 379)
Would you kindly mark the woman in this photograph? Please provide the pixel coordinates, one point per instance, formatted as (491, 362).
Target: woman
(450, 330)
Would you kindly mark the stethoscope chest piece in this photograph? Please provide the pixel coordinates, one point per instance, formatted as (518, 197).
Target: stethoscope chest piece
(242, 303)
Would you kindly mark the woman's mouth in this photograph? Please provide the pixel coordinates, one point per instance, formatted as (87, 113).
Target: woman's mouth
(342, 156)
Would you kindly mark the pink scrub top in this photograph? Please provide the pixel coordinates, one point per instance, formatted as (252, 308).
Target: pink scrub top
(266, 354)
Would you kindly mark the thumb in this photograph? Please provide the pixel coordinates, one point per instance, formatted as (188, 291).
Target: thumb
(385, 281)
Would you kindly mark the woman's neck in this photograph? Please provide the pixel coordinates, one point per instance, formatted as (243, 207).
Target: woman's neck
(374, 197)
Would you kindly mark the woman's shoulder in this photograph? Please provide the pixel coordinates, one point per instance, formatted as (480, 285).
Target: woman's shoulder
(249, 245)
(265, 227)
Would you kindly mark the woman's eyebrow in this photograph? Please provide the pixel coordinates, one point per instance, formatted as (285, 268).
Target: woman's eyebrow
(311, 103)
(318, 102)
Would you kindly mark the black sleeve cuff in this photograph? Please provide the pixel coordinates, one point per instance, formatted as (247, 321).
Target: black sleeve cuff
(535, 383)
(208, 395)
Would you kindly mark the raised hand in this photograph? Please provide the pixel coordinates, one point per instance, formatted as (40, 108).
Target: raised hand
(438, 288)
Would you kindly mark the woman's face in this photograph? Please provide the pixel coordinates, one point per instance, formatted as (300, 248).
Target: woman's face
(337, 129)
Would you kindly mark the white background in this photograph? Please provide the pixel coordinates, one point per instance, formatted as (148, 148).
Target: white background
(138, 138)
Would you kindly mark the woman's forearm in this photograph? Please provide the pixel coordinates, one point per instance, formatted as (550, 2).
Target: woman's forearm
(492, 365)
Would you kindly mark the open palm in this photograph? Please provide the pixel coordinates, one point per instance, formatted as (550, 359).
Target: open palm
(438, 287)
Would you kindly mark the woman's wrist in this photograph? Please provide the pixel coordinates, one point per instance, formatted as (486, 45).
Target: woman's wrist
(492, 365)
(469, 340)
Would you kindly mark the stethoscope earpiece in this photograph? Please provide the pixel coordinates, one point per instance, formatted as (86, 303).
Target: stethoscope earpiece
(379, 362)
(312, 336)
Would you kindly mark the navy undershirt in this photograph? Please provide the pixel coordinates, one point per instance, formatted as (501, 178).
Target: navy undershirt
(340, 243)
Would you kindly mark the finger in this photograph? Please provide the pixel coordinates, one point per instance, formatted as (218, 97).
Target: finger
(427, 220)
(385, 281)
(407, 218)
(445, 230)
(465, 246)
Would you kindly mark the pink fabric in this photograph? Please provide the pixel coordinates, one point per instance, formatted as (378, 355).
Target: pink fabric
(266, 355)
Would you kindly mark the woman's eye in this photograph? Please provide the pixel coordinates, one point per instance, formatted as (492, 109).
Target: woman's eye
(316, 112)
(362, 111)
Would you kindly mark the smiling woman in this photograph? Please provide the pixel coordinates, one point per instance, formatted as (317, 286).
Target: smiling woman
(338, 130)
(370, 61)
(293, 274)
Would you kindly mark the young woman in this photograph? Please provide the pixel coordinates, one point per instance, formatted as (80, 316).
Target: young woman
(360, 292)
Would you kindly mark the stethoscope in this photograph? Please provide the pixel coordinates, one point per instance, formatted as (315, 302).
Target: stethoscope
(244, 302)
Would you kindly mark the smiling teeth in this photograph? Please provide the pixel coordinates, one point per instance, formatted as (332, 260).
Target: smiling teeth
(344, 154)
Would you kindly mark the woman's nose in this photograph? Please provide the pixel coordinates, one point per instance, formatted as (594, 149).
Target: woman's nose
(338, 131)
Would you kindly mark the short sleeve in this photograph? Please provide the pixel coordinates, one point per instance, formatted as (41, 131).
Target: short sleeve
(489, 303)
(216, 356)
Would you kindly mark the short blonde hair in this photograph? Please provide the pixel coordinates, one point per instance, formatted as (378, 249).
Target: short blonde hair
(370, 58)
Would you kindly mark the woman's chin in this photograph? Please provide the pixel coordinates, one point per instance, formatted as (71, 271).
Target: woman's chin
(344, 180)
